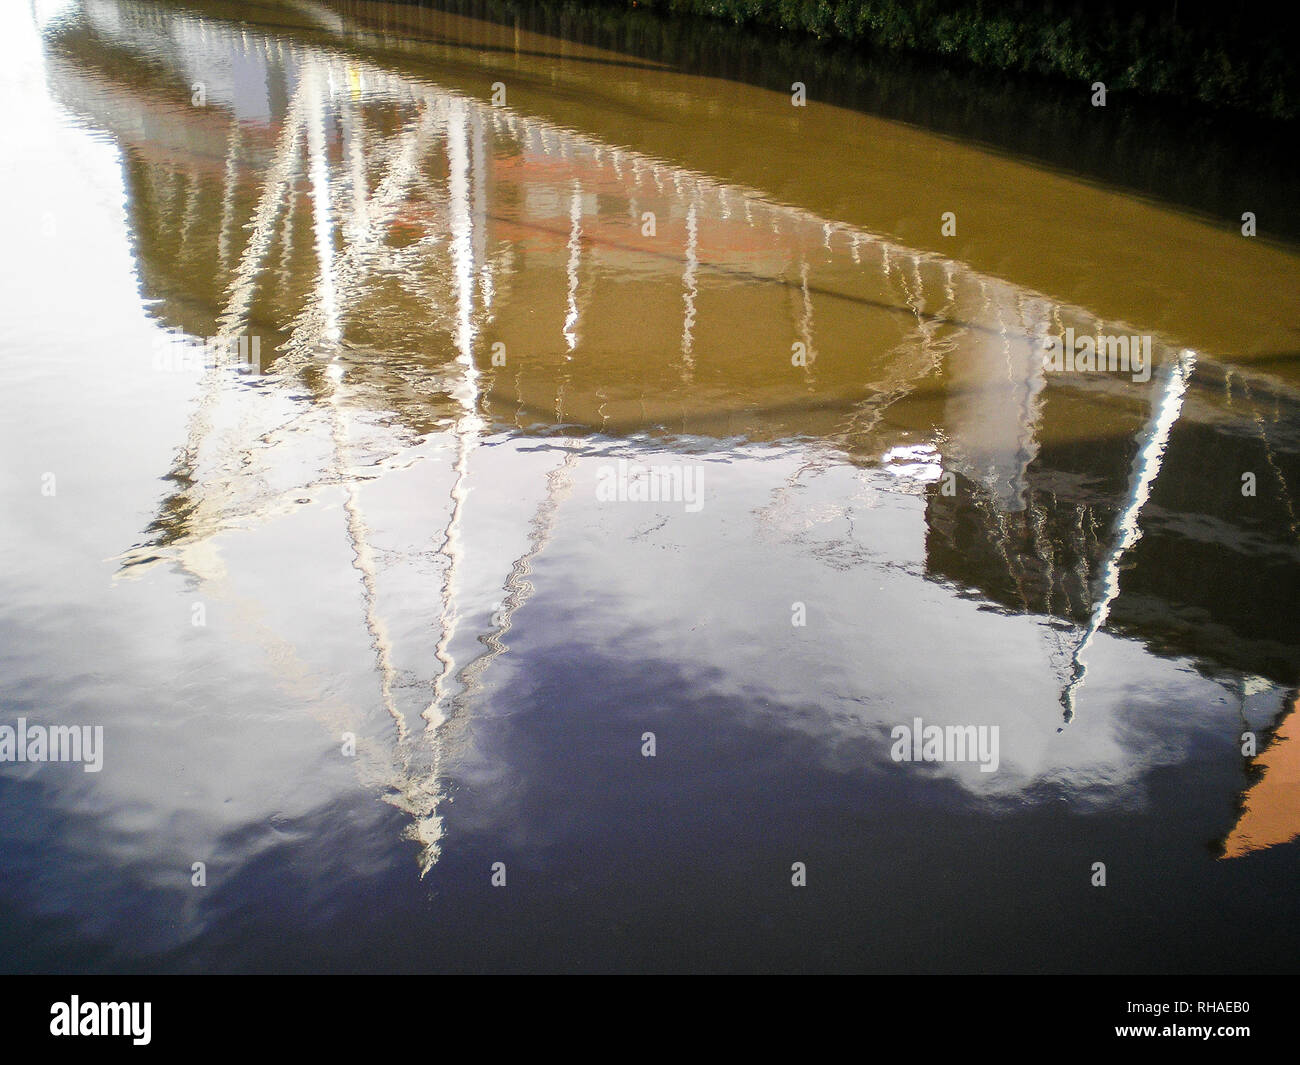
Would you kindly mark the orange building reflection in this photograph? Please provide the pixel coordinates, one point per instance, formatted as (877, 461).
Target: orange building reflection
(1271, 806)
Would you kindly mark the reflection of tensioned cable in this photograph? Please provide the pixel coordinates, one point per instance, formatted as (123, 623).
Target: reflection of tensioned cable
(518, 588)
(239, 295)
(1269, 457)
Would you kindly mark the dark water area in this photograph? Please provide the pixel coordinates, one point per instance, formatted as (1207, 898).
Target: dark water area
(500, 489)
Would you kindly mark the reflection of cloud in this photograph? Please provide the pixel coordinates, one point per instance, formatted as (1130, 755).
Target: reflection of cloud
(921, 463)
(881, 641)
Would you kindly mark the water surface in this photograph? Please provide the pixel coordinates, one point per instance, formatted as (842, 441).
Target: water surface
(461, 316)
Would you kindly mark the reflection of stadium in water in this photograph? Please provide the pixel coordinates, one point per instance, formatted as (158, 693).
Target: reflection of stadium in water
(388, 236)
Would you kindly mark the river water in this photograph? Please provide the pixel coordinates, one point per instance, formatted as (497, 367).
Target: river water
(342, 346)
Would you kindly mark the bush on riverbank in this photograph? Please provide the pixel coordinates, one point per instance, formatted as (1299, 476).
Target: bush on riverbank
(1219, 54)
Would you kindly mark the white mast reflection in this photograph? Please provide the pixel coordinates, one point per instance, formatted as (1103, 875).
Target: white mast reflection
(1146, 468)
(575, 260)
(468, 423)
(689, 284)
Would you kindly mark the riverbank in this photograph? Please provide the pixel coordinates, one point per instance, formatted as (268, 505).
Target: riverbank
(1213, 162)
(1232, 58)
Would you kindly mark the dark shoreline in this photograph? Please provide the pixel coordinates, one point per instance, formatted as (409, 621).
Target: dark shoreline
(1215, 162)
(1232, 58)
